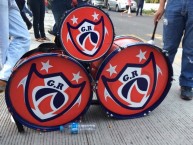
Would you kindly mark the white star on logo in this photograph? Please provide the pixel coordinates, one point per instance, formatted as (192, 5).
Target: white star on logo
(74, 20)
(76, 77)
(95, 16)
(46, 66)
(141, 55)
(111, 69)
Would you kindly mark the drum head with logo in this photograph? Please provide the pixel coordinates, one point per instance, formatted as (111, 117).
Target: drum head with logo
(47, 91)
(86, 33)
(119, 42)
(134, 81)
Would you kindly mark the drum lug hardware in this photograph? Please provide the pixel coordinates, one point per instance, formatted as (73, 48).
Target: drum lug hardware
(165, 52)
(94, 86)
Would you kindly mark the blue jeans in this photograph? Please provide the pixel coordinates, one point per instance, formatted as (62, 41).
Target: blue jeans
(38, 9)
(27, 10)
(178, 21)
(11, 25)
(59, 8)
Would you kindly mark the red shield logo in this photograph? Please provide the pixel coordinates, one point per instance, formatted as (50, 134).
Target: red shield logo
(89, 38)
(49, 98)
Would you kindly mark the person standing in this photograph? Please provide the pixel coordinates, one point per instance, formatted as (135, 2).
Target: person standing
(21, 5)
(11, 26)
(27, 10)
(140, 7)
(178, 24)
(60, 7)
(128, 7)
(38, 9)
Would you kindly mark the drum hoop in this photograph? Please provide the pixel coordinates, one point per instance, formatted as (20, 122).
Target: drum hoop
(44, 48)
(37, 127)
(127, 36)
(60, 31)
(157, 103)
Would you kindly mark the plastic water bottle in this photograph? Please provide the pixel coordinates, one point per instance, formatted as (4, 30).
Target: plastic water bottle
(75, 128)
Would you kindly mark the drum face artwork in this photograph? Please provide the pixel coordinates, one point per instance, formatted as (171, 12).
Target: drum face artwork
(134, 81)
(119, 42)
(48, 90)
(86, 38)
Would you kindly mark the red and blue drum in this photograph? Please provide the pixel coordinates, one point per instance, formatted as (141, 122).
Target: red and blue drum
(86, 38)
(119, 42)
(48, 90)
(134, 81)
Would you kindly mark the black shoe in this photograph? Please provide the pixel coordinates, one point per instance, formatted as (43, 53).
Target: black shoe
(186, 93)
(51, 32)
(29, 27)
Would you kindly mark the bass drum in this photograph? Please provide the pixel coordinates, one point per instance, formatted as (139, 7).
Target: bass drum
(86, 33)
(119, 42)
(133, 81)
(52, 90)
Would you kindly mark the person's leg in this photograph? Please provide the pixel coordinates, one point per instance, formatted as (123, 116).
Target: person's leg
(54, 29)
(186, 77)
(137, 12)
(141, 11)
(58, 9)
(41, 20)
(18, 45)
(173, 28)
(4, 29)
(26, 10)
(35, 8)
(26, 20)
(175, 23)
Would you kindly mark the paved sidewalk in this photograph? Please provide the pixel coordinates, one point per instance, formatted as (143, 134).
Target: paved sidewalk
(171, 123)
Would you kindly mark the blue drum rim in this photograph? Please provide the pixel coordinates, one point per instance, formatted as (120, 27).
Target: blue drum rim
(34, 126)
(157, 103)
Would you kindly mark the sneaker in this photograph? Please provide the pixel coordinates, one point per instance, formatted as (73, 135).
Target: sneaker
(29, 26)
(186, 93)
(39, 40)
(51, 32)
(45, 38)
